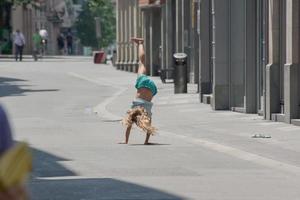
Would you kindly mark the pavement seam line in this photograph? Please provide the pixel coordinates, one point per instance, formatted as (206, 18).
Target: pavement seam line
(237, 153)
(101, 108)
(234, 152)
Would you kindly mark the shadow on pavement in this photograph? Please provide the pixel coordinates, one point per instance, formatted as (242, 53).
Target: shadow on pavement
(47, 165)
(8, 87)
(51, 180)
(94, 189)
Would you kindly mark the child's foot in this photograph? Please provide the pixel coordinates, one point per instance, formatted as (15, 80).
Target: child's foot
(137, 40)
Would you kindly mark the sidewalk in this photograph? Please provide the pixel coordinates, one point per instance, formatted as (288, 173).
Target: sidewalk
(29, 57)
(182, 117)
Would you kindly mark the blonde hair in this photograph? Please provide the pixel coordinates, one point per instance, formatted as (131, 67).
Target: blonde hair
(140, 117)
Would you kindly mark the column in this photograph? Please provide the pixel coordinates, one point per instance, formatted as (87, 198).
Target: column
(122, 56)
(187, 35)
(151, 47)
(118, 29)
(291, 68)
(146, 32)
(195, 41)
(273, 68)
(137, 32)
(220, 54)
(132, 4)
(155, 40)
(179, 26)
(205, 86)
(129, 43)
(170, 33)
(250, 68)
(126, 34)
(163, 37)
(129, 33)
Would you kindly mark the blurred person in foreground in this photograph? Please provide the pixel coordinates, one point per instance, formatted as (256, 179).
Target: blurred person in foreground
(6, 142)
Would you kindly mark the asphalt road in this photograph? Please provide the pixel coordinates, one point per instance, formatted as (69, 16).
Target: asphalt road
(69, 109)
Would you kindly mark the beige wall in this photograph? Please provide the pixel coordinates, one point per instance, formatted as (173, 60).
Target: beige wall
(22, 20)
(28, 20)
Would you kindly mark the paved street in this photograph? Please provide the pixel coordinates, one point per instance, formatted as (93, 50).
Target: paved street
(69, 111)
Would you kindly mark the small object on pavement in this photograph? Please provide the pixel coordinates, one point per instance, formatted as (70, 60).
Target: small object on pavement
(261, 136)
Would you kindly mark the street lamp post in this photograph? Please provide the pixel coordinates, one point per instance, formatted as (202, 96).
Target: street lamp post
(98, 28)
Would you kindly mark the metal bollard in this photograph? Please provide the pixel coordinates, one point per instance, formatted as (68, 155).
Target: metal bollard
(180, 77)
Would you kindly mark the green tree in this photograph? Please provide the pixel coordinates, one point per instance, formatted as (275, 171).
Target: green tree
(86, 23)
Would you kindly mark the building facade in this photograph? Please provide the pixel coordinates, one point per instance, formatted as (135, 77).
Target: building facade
(55, 16)
(243, 54)
(129, 23)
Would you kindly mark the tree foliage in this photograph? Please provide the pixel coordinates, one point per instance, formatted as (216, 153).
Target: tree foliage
(86, 27)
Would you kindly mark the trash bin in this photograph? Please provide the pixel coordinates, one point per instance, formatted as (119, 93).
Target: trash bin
(99, 57)
(180, 73)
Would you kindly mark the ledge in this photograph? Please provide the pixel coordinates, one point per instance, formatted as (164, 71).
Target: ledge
(278, 117)
(296, 122)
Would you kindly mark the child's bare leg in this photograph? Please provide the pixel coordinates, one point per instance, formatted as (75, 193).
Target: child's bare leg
(127, 134)
(147, 138)
(139, 42)
(141, 53)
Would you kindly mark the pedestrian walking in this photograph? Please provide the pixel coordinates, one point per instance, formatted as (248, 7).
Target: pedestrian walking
(44, 34)
(140, 112)
(19, 42)
(69, 43)
(37, 41)
(61, 43)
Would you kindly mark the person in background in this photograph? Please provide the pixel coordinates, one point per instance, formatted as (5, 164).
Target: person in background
(44, 35)
(69, 43)
(37, 40)
(19, 42)
(61, 43)
(6, 142)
